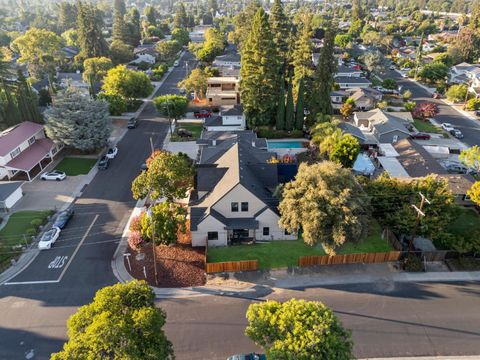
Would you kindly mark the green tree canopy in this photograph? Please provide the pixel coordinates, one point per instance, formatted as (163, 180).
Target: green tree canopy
(95, 69)
(122, 322)
(280, 27)
(326, 203)
(181, 35)
(166, 219)
(433, 72)
(317, 334)
(128, 83)
(474, 193)
(457, 93)
(345, 151)
(471, 157)
(90, 36)
(171, 106)
(168, 49)
(120, 52)
(168, 176)
(196, 82)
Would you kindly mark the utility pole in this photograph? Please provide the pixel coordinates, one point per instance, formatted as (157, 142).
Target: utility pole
(420, 214)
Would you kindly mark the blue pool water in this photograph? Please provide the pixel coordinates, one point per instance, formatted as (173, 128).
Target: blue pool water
(295, 144)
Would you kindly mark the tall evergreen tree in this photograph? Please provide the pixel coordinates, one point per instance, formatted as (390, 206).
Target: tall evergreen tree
(419, 55)
(67, 15)
(120, 29)
(243, 22)
(90, 38)
(302, 54)
(320, 102)
(289, 111)
(260, 79)
(280, 26)
(181, 18)
(10, 109)
(280, 119)
(151, 15)
(357, 11)
(27, 101)
(133, 22)
(300, 105)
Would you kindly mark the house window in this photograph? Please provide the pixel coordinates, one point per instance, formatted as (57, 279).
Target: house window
(234, 206)
(15, 152)
(266, 231)
(54, 150)
(244, 206)
(212, 235)
(31, 140)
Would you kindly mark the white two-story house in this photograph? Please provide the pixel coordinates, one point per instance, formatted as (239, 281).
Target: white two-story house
(466, 73)
(25, 151)
(231, 118)
(233, 199)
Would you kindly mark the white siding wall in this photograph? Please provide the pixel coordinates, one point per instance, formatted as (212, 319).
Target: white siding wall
(234, 120)
(239, 194)
(224, 128)
(199, 236)
(13, 198)
(269, 219)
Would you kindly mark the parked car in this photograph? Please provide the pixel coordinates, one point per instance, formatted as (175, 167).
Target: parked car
(182, 91)
(252, 356)
(54, 175)
(184, 133)
(456, 168)
(132, 123)
(477, 113)
(456, 133)
(420, 136)
(447, 126)
(63, 218)
(436, 95)
(202, 114)
(48, 238)
(176, 63)
(103, 163)
(404, 75)
(112, 152)
(392, 67)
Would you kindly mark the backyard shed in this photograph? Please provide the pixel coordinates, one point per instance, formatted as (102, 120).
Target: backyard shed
(10, 193)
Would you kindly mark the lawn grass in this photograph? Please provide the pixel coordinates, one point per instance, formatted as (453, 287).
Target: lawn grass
(467, 222)
(73, 166)
(426, 126)
(14, 233)
(286, 253)
(194, 128)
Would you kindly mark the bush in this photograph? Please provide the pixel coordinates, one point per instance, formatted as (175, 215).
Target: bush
(117, 105)
(135, 240)
(473, 104)
(35, 223)
(31, 232)
(457, 93)
(269, 133)
(136, 223)
(143, 65)
(158, 72)
(412, 263)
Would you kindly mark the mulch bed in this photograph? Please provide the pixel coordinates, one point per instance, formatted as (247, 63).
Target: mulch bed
(178, 265)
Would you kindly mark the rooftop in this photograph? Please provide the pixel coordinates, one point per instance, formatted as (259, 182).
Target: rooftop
(12, 137)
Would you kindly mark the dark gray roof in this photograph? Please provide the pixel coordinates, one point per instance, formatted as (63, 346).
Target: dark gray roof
(353, 130)
(72, 76)
(416, 160)
(7, 188)
(231, 57)
(234, 110)
(42, 84)
(351, 80)
(392, 124)
(214, 120)
(347, 70)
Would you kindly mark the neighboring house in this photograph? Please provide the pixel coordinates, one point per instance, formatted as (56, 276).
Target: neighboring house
(233, 199)
(223, 91)
(337, 98)
(10, 193)
(25, 149)
(231, 118)
(465, 73)
(345, 71)
(365, 98)
(146, 58)
(69, 52)
(74, 79)
(229, 60)
(384, 126)
(351, 82)
(355, 132)
(229, 71)
(145, 53)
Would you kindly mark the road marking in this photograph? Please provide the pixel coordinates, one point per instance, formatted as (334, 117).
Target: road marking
(32, 282)
(78, 247)
(58, 262)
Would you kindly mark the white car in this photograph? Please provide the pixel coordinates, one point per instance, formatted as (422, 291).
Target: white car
(112, 152)
(447, 127)
(54, 175)
(49, 238)
(176, 63)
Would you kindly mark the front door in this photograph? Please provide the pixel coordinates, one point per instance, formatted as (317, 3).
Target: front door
(239, 234)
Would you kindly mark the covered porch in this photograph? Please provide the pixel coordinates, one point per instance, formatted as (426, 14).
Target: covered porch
(29, 163)
(241, 230)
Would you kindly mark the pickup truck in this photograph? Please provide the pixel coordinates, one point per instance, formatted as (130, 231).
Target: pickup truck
(202, 114)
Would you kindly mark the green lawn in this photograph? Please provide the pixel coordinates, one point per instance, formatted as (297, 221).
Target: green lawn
(73, 166)
(466, 223)
(194, 128)
(286, 253)
(426, 126)
(13, 234)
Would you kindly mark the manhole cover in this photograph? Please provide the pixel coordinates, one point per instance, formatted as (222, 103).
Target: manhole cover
(140, 256)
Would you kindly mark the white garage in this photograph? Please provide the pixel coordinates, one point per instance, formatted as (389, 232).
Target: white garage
(10, 193)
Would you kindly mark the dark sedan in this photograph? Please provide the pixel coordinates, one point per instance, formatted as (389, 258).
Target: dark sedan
(420, 136)
(103, 163)
(63, 218)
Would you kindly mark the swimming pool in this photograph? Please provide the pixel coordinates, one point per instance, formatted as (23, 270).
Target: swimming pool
(290, 144)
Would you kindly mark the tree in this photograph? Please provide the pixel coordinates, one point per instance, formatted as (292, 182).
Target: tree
(242, 23)
(280, 27)
(181, 35)
(345, 151)
(357, 11)
(122, 322)
(471, 158)
(95, 69)
(67, 15)
(133, 27)
(390, 84)
(168, 49)
(171, 106)
(168, 175)
(117, 104)
(181, 19)
(347, 108)
(289, 110)
(317, 333)
(302, 55)
(342, 40)
(27, 101)
(299, 113)
(468, 44)
(326, 203)
(473, 104)
(196, 82)
(320, 102)
(259, 71)
(40, 49)
(119, 26)
(280, 119)
(433, 72)
(374, 61)
(474, 193)
(70, 37)
(150, 14)
(457, 93)
(120, 52)
(128, 83)
(163, 223)
(425, 110)
(89, 27)
(419, 55)
(78, 121)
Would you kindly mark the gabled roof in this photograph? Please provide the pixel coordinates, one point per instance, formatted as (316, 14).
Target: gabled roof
(234, 110)
(416, 160)
(352, 130)
(8, 187)
(12, 137)
(348, 70)
(351, 80)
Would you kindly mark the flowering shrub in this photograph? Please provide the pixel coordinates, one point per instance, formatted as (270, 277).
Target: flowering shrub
(135, 240)
(425, 110)
(136, 223)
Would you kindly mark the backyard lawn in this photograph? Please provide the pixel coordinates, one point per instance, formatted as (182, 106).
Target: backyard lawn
(194, 128)
(73, 166)
(467, 222)
(426, 126)
(286, 253)
(15, 233)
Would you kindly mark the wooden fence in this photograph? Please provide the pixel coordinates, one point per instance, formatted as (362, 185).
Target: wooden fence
(231, 266)
(367, 258)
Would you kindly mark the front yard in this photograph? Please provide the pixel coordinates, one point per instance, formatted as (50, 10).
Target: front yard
(194, 128)
(17, 233)
(426, 126)
(73, 166)
(466, 224)
(277, 254)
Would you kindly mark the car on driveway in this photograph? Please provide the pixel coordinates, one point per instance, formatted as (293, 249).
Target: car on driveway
(420, 136)
(54, 175)
(103, 163)
(456, 133)
(252, 356)
(132, 123)
(112, 152)
(447, 126)
(456, 168)
(202, 114)
(63, 218)
(48, 238)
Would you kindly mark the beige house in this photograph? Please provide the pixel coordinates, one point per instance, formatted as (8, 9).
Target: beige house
(223, 91)
(233, 198)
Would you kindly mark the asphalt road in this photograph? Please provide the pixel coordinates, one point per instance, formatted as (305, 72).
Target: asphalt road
(469, 128)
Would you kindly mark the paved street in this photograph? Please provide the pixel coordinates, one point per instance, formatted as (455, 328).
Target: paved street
(469, 128)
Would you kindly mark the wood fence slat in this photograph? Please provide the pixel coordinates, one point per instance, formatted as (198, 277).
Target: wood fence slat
(367, 258)
(231, 266)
